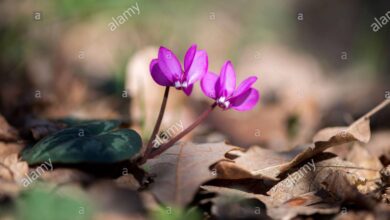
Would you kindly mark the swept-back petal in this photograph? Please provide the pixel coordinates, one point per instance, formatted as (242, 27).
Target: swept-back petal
(189, 57)
(198, 67)
(245, 85)
(208, 85)
(246, 101)
(158, 76)
(227, 80)
(169, 64)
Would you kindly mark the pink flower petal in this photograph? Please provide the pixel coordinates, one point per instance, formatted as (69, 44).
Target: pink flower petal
(189, 57)
(188, 90)
(246, 101)
(208, 84)
(198, 67)
(245, 85)
(158, 76)
(169, 64)
(227, 80)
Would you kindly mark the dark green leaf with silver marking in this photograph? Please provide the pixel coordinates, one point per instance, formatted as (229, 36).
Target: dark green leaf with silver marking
(92, 142)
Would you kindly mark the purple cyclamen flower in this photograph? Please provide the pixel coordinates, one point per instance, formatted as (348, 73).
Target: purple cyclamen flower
(166, 69)
(223, 89)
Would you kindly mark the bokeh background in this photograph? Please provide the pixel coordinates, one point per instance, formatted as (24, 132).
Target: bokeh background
(319, 63)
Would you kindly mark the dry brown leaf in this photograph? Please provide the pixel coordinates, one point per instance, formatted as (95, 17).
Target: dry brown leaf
(255, 158)
(12, 169)
(7, 132)
(379, 146)
(12, 173)
(183, 168)
(236, 193)
(338, 183)
(310, 178)
(371, 164)
(315, 189)
(128, 181)
(252, 163)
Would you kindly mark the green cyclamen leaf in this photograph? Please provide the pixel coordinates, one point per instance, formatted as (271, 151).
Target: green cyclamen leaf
(92, 142)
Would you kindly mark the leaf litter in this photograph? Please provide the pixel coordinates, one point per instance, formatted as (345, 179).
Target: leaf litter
(304, 181)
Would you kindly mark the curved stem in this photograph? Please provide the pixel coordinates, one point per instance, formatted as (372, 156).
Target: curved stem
(158, 124)
(169, 144)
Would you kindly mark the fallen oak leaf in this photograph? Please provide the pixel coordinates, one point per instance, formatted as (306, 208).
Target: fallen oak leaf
(248, 164)
(329, 137)
(308, 195)
(181, 169)
(339, 184)
(360, 155)
(12, 169)
(12, 173)
(310, 178)
(379, 146)
(304, 191)
(236, 193)
(255, 158)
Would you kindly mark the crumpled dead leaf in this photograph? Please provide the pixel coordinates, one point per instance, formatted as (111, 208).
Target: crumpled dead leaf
(12, 171)
(310, 177)
(315, 187)
(338, 183)
(181, 169)
(255, 159)
(335, 179)
(371, 166)
(247, 164)
(379, 146)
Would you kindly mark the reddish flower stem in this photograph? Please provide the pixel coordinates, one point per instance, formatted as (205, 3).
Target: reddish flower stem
(170, 143)
(157, 125)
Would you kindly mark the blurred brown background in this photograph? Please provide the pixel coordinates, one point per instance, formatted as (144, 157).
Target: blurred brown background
(319, 63)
